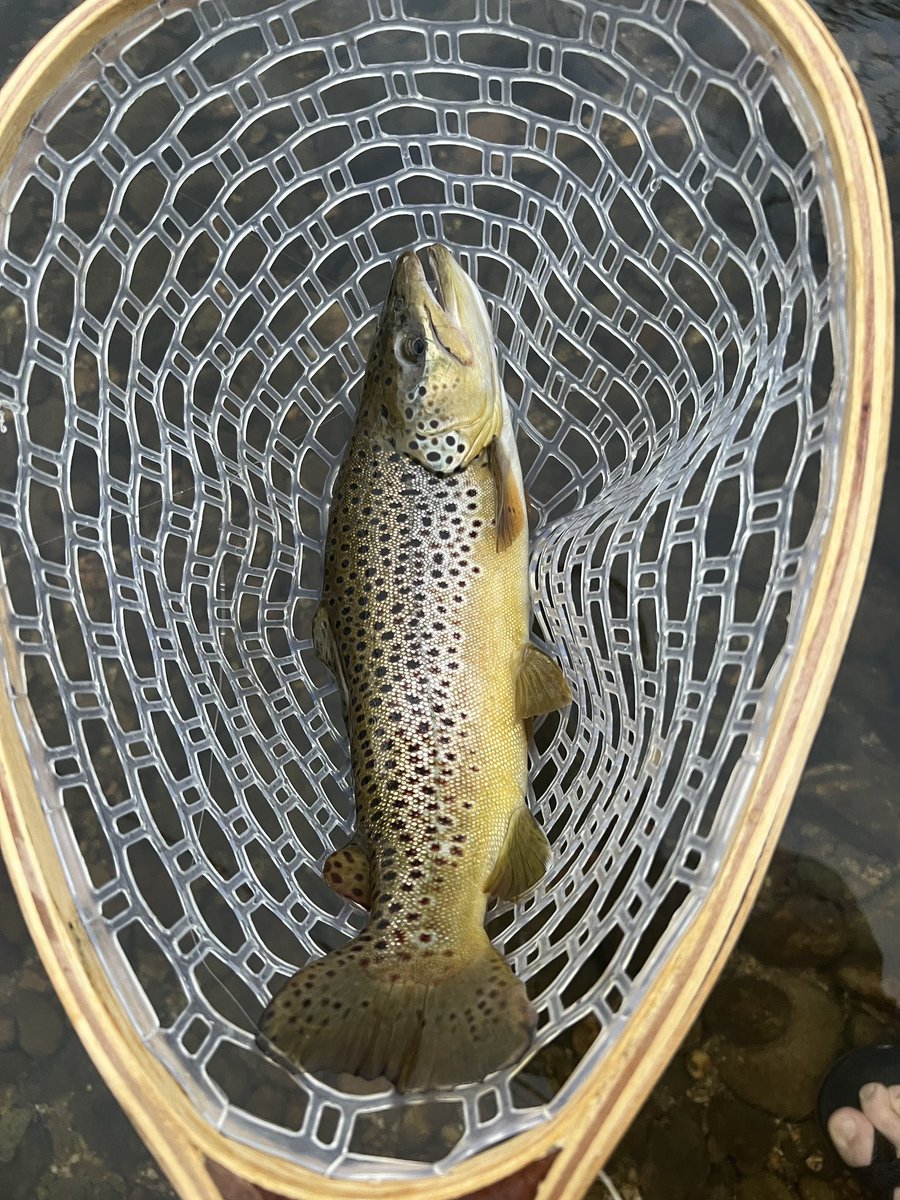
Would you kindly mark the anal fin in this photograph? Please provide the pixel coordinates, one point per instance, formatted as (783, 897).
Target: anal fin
(348, 873)
(522, 860)
(541, 686)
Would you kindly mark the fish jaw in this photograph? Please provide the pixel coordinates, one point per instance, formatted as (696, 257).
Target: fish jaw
(463, 302)
(432, 382)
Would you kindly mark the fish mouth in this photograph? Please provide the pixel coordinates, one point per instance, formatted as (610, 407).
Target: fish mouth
(434, 276)
(443, 304)
(424, 276)
(432, 292)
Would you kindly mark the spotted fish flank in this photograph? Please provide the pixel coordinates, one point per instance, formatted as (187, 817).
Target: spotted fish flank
(424, 622)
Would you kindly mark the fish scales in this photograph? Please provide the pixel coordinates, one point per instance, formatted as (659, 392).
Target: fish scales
(424, 619)
(430, 629)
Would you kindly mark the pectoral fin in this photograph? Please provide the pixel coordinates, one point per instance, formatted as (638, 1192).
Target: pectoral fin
(511, 519)
(541, 686)
(523, 858)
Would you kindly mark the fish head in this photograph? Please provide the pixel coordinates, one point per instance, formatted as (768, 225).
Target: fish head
(432, 377)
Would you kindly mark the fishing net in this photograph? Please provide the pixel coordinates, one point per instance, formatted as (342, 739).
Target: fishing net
(198, 230)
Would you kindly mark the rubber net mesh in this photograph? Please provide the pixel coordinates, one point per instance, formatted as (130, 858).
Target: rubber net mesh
(197, 234)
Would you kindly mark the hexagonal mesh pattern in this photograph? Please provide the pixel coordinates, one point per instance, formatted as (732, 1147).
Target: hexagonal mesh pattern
(196, 237)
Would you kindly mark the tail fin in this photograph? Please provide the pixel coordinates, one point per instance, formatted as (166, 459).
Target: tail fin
(423, 1023)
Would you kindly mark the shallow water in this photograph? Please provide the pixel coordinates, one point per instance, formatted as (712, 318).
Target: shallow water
(731, 1116)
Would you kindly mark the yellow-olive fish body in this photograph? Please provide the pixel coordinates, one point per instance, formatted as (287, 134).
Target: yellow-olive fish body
(424, 620)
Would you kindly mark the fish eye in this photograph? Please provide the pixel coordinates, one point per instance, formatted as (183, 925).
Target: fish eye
(413, 348)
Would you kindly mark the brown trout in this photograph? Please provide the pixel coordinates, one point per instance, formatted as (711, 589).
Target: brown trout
(424, 620)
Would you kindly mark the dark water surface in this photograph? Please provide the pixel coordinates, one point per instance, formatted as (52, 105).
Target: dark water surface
(817, 970)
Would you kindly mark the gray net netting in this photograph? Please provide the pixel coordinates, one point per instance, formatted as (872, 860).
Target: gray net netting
(197, 234)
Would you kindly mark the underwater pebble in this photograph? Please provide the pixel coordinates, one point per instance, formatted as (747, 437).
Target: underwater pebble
(747, 1011)
(40, 1025)
(19, 1178)
(881, 909)
(14, 1067)
(803, 931)
(14, 1123)
(51, 1078)
(62, 1187)
(804, 1150)
(816, 878)
(763, 1187)
(106, 1129)
(740, 1131)
(698, 1064)
(675, 1164)
(863, 981)
(867, 1029)
(815, 1189)
(584, 1034)
(140, 1192)
(68, 1146)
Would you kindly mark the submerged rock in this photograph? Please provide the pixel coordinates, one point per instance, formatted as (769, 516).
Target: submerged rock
(19, 1178)
(675, 1164)
(873, 1029)
(741, 1132)
(105, 1128)
(803, 931)
(782, 1076)
(40, 1024)
(764, 1187)
(815, 1189)
(14, 1122)
(747, 1011)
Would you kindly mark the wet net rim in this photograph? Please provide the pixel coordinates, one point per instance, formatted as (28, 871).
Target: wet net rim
(166, 1118)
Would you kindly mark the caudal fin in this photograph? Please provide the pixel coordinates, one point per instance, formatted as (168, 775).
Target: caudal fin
(420, 1023)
